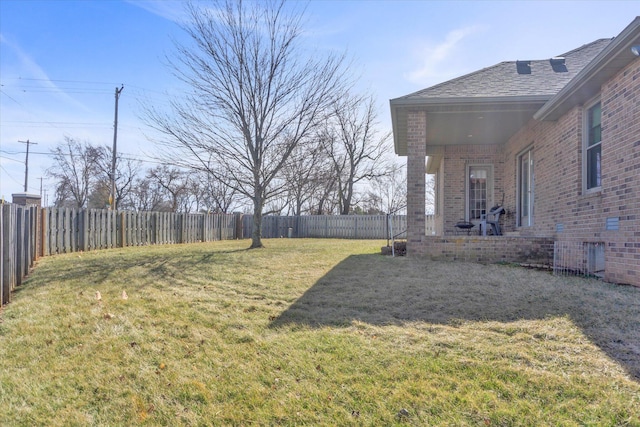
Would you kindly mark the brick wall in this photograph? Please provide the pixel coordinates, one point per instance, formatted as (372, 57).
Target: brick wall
(557, 171)
(490, 249)
(621, 174)
(559, 196)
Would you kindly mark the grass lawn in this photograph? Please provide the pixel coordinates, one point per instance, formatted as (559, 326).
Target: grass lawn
(313, 332)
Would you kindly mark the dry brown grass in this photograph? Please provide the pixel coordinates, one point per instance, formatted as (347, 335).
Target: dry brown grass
(406, 290)
(313, 332)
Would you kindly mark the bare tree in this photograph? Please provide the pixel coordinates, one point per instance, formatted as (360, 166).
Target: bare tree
(99, 195)
(324, 200)
(74, 169)
(322, 189)
(254, 97)
(176, 185)
(304, 175)
(214, 194)
(127, 171)
(351, 140)
(388, 193)
(147, 195)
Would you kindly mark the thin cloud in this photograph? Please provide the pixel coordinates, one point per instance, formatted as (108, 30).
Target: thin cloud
(28, 64)
(32, 70)
(431, 57)
(170, 10)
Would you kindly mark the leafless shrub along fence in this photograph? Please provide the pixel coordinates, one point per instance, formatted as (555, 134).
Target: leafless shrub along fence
(28, 232)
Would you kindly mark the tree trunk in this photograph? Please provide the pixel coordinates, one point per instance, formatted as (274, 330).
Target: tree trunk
(345, 202)
(256, 234)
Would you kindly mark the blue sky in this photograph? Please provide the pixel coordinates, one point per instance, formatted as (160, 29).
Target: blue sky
(60, 61)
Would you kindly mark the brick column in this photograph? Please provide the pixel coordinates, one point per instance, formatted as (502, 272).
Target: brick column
(416, 170)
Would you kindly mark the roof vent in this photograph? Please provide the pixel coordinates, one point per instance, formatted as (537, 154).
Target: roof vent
(523, 67)
(558, 64)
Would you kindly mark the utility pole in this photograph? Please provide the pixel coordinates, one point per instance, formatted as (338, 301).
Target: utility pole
(112, 196)
(40, 187)
(26, 163)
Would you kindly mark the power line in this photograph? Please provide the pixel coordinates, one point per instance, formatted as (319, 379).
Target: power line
(9, 175)
(25, 108)
(11, 152)
(60, 123)
(58, 80)
(124, 156)
(9, 158)
(142, 91)
(62, 90)
(10, 97)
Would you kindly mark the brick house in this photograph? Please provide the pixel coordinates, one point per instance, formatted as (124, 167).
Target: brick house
(556, 142)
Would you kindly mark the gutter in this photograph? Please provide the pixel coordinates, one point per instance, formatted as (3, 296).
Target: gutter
(476, 100)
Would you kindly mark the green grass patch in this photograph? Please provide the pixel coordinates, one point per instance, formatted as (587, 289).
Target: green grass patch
(313, 332)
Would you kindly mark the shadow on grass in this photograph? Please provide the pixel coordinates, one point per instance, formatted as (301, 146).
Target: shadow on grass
(95, 268)
(394, 291)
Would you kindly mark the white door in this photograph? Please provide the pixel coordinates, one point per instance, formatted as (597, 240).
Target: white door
(479, 191)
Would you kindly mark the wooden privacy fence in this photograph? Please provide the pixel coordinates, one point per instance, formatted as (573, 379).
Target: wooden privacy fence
(329, 226)
(72, 230)
(18, 246)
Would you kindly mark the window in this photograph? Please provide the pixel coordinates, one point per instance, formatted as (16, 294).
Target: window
(436, 194)
(525, 188)
(479, 191)
(593, 147)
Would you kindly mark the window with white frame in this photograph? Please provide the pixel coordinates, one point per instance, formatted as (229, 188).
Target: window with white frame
(525, 188)
(436, 194)
(592, 158)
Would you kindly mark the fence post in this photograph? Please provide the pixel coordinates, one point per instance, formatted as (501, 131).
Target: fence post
(182, 227)
(123, 233)
(355, 226)
(2, 254)
(110, 225)
(30, 240)
(73, 229)
(27, 242)
(84, 230)
(154, 228)
(238, 234)
(19, 245)
(9, 254)
(42, 227)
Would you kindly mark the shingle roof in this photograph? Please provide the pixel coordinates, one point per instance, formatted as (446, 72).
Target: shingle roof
(613, 58)
(503, 79)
